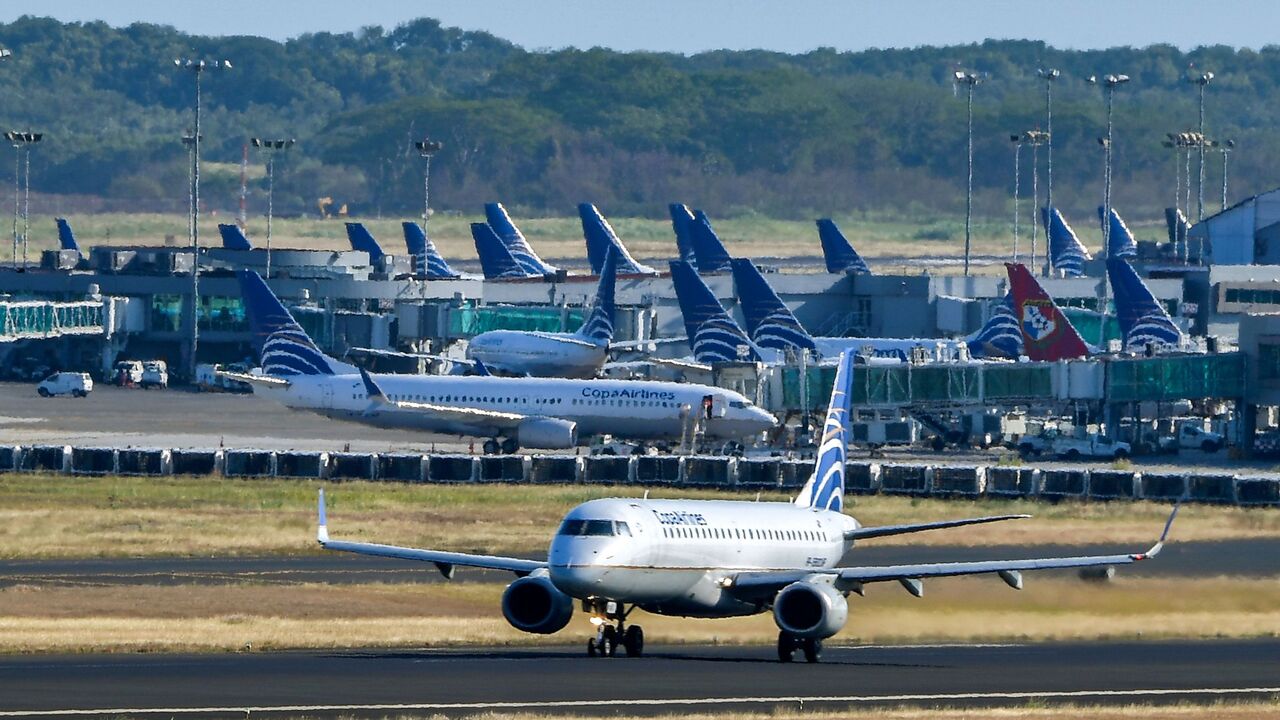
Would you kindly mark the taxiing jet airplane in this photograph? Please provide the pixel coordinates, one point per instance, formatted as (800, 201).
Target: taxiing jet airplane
(718, 558)
(513, 412)
(837, 251)
(600, 237)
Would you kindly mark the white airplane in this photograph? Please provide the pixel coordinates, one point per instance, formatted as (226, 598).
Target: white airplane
(513, 412)
(716, 558)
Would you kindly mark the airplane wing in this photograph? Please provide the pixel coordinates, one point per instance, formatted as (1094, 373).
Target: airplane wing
(445, 562)
(264, 380)
(886, 530)
(758, 585)
(497, 418)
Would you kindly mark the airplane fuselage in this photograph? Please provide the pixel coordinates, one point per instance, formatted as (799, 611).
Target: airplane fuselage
(538, 354)
(672, 556)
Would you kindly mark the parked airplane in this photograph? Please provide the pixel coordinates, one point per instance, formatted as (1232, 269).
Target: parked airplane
(718, 558)
(681, 220)
(1046, 332)
(512, 412)
(66, 238)
(428, 263)
(600, 237)
(1145, 323)
(711, 253)
(1066, 253)
(233, 238)
(361, 239)
(496, 260)
(579, 354)
(1122, 242)
(838, 251)
(496, 215)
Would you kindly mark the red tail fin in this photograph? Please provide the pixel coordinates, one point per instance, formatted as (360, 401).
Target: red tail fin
(1045, 331)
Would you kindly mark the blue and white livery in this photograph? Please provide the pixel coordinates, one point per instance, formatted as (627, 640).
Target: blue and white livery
(283, 347)
(682, 224)
(600, 237)
(713, 334)
(428, 263)
(1122, 244)
(825, 489)
(837, 251)
(362, 240)
(710, 252)
(1001, 337)
(1143, 320)
(496, 260)
(1066, 252)
(496, 215)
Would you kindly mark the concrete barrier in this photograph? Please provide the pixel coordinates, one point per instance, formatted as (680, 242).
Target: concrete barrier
(759, 473)
(351, 466)
(1162, 486)
(904, 479)
(708, 471)
(1112, 485)
(452, 469)
(502, 468)
(964, 480)
(1012, 481)
(196, 462)
(47, 458)
(144, 461)
(10, 457)
(1257, 491)
(862, 478)
(793, 474)
(555, 469)
(1211, 488)
(400, 467)
(1056, 484)
(93, 461)
(657, 470)
(249, 463)
(311, 465)
(607, 469)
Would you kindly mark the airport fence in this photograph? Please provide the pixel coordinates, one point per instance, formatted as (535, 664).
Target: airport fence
(936, 480)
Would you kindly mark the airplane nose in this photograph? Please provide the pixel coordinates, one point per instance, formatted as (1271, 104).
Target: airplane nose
(764, 416)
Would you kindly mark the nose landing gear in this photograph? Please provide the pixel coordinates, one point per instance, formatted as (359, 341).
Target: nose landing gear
(609, 637)
(788, 644)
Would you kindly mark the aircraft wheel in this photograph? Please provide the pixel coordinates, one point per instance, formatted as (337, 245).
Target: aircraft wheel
(633, 641)
(609, 642)
(786, 647)
(43, 392)
(812, 650)
(591, 647)
(510, 446)
(491, 447)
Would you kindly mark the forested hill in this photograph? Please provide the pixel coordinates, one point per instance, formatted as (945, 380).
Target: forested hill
(881, 131)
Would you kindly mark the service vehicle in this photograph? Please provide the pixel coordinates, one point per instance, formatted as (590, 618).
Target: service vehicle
(155, 373)
(1091, 445)
(65, 383)
(127, 373)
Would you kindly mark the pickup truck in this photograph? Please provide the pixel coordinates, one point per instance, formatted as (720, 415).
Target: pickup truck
(1193, 437)
(1091, 446)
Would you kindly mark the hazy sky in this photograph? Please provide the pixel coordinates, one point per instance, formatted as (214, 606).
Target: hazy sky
(694, 25)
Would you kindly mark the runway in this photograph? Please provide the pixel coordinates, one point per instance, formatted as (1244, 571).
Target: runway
(1235, 558)
(564, 679)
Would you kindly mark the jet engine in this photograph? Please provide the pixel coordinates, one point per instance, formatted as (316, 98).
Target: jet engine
(534, 605)
(548, 433)
(810, 610)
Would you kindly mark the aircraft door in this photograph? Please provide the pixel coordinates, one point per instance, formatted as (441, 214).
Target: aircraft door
(713, 406)
(326, 395)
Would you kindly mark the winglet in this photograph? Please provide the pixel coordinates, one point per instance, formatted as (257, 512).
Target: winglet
(371, 388)
(1155, 549)
(322, 530)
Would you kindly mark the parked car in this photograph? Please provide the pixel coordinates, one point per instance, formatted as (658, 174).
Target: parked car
(155, 373)
(65, 383)
(1092, 445)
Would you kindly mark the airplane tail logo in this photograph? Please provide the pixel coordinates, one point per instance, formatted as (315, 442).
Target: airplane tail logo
(770, 321)
(233, 238)
(710, 252)
(1066, 252)
(713, 335)
(682, 224)
(599, 324)
(838, 251)
(498, 218)
(495, 259)
(1122, 243)
(1046, 333)
(66, 238)
(1143, 319)
(825, 488)
(427, 260)
(283, 347)
(1001, 336)
(361, 239)
(600, 237)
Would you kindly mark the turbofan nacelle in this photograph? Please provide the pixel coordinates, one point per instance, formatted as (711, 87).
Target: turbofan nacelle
(808, 609)
(547, 433)
(534, 605)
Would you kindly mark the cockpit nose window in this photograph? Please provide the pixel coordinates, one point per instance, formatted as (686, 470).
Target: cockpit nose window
(594, 528)
(740, 404)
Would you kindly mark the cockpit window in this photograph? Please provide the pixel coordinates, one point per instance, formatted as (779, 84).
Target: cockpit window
(737, 404)
(594, 528)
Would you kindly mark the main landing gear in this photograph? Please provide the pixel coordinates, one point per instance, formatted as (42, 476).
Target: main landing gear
(788, 644)
(508, 446)
(610, 637)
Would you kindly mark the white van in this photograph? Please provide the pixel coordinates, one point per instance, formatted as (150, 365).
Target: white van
(65, 383)
(155, 373)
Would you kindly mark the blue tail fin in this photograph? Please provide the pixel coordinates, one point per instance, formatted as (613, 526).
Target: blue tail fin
(362, 239)
(713, 334)
(825, 488)
(233, 238)
(510, 235)
(495, 259)
(427, 260)
(600, 237)
(66, 238)
(282, 345)
(1066, 252)
(1001, 337)
(1122, 243)
(770, 321)
(838, 251)
(681, 222)
(711, 253)
(599, 323)
(1143, 319)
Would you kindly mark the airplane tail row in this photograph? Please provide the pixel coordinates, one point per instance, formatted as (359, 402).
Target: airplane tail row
(769, 320)
(713, 334)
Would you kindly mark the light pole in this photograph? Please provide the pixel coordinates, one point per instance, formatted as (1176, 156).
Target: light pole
(1109, 85)
(1225, 148)
(271, 147)
(969, 80)
(22, 142)
(196, 68)
(426, 147)
(1034, 139)
(1048, 75)
(1202, 80)
(1017, 176)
